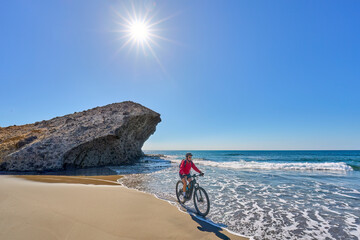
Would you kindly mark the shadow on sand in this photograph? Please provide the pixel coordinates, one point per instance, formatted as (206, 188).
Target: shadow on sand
(205, 225)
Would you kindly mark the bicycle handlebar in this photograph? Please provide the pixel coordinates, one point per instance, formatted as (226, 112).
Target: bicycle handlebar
(197, 175)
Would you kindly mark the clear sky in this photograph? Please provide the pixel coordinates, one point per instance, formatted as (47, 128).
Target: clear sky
(222, 74)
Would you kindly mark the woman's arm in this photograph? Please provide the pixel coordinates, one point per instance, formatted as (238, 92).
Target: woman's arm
(195, 168)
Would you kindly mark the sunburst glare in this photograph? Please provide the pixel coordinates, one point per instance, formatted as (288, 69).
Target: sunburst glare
(140, 32)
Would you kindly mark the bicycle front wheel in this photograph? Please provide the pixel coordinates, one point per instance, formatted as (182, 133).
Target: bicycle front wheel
(201, 201)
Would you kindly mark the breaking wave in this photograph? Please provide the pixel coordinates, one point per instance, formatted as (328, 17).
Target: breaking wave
(325, 166)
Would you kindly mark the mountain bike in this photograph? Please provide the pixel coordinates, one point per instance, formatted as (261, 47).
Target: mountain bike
(201, 199)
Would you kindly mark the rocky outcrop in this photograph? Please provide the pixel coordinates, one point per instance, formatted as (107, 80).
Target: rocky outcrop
(109, 135)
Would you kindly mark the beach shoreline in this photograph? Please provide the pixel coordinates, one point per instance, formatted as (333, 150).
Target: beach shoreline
(91, 207)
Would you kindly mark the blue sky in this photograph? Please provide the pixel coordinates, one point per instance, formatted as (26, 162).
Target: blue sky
(234, 75)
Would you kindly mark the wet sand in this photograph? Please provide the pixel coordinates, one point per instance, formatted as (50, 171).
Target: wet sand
(94, 180)
(91, 207)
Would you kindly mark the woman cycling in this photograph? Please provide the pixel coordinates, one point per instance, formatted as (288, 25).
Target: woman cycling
(184, 172)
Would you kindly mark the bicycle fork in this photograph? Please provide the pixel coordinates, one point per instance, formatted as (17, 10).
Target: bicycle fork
(199, 196)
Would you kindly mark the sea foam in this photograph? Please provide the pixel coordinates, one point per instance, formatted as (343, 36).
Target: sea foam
(325, 166)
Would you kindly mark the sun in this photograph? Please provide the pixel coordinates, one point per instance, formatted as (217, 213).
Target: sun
(139, 31)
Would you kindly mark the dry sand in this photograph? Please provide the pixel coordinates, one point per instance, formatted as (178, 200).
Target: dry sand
(48, 210)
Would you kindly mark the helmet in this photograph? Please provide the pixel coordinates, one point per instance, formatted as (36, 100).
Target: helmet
(188, 154)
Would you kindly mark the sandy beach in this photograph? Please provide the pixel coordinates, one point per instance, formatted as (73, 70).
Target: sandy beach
(66, 207)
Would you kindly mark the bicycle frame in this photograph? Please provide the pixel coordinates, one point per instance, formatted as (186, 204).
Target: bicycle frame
(193, 185)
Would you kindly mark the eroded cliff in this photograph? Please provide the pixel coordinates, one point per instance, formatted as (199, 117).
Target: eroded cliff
(108, 135)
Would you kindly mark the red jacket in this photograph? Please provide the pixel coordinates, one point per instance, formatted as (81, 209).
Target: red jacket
(185, 168)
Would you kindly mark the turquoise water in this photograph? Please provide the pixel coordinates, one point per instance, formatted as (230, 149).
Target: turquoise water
(266, 194)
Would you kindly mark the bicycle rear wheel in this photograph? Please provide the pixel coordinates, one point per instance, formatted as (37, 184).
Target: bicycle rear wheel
(201, 201)
(179, 192)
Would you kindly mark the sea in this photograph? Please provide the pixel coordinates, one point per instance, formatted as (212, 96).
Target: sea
(264, 194)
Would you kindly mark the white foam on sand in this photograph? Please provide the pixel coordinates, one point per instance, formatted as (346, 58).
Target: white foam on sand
(178, 206)
(353, 228)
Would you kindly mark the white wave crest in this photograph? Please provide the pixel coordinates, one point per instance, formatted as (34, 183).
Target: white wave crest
(325, 166)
